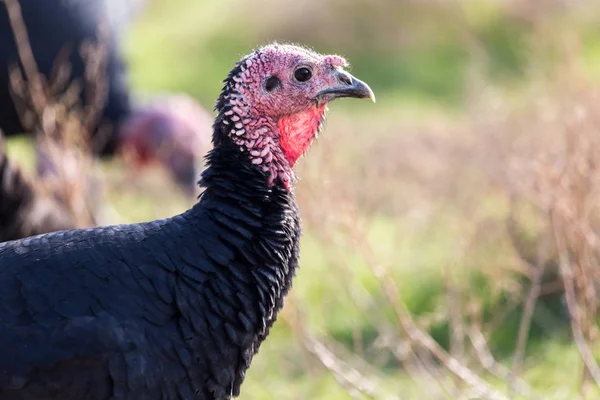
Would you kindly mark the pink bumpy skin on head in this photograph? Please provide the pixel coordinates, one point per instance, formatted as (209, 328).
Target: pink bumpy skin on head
(273, 108)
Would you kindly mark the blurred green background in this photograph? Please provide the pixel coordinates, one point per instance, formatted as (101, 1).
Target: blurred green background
(418, 185)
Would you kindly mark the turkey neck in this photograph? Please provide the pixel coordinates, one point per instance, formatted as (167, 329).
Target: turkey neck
(259, 223)
(247, 236)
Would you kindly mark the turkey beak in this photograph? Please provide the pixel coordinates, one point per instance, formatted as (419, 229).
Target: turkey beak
(348, 86)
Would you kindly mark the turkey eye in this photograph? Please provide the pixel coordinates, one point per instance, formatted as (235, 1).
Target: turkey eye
(302, 74)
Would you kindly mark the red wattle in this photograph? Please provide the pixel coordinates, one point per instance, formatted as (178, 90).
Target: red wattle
(297, 131)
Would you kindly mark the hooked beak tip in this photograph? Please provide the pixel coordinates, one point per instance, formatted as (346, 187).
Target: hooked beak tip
(372, 96)
(349, 86)
(362, 90)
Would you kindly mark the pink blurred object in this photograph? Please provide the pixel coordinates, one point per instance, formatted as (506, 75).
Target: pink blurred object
(171, 130)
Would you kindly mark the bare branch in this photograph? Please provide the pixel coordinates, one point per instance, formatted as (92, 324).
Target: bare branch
(26, 54)
(529, 308)
(489, 363)
(574, 310)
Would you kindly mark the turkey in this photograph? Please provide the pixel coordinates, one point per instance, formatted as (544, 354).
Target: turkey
(24, 211)
(59, 27)
(176, 308)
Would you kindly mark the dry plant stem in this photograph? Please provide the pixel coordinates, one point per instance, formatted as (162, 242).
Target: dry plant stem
(417, 336)
(446, 381)
(457, 327)
(62, 125)
(574, 310)
(417, 368)
(488, 361)
(527, 316)
(15, 17)
(61, 72)
(422, 362)
(348, 377)
(96, 63)
(502, 314)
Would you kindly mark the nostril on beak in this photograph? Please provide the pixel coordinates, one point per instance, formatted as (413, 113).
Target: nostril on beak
(345, 77)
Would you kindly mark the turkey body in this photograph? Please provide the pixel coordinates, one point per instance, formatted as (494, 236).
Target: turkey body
(55, 26)
(176, 308)
(169, 309)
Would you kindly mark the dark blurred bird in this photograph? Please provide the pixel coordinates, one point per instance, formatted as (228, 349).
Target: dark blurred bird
(24, 210)
(176, 308)
(54, 26)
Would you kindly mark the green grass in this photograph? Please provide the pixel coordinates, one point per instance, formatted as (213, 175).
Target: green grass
(196, 41)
